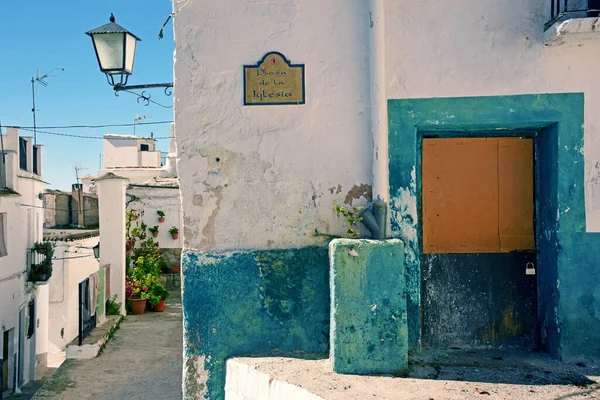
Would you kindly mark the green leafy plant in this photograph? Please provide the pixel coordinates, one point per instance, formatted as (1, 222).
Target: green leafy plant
(41, 270)
(113, 307)
(161, 213)
(154, 229)
(352, 216)
(156, 293)
(46, 248)
(173, 230)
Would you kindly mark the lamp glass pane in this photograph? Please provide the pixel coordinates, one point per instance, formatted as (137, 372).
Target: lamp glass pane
(130, 53)
(110, 51)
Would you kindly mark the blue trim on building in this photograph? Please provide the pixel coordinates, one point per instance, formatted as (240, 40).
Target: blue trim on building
(569, 260)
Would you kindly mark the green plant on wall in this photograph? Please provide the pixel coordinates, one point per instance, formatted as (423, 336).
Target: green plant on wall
(113, 307)
(352, 216)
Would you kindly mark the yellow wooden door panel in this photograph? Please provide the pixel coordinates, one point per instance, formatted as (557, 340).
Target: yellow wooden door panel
(516, 198)
(478, 195)
(460, 195)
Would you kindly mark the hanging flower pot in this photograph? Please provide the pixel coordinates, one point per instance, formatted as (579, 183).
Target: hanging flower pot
(154, 231)
(161, 216)
(174, 231)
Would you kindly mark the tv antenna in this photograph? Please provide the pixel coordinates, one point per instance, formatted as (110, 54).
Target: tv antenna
(42, 81)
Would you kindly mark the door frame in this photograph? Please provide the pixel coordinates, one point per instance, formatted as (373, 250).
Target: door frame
(476, 134)
(558, 118)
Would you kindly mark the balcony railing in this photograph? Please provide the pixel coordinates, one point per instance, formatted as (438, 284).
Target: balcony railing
(39, 266)
(561, 10)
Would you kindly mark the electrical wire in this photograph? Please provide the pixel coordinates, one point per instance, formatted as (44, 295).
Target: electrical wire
(50, 208)
(69, 258)
(89, 126)
(92, 137)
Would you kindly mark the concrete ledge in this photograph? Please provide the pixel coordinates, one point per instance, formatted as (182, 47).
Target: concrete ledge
(572, 31)
(246, 382)
(93, 343)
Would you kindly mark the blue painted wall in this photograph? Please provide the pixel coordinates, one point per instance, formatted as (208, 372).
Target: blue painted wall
(569, 262)
(369, 334)
(252, 303)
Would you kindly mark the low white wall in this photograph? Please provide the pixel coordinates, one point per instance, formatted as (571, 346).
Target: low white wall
(244, 382)
(64, 290)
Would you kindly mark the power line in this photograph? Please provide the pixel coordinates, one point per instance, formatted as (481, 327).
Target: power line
(89, 126)
(93, 137)
(51, 208)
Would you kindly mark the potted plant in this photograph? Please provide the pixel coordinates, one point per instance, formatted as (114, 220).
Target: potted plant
(174, 232)
(46, 248)
(137, 294)
(161, 216)
(154, 231)
(41, 272)
(157, 297)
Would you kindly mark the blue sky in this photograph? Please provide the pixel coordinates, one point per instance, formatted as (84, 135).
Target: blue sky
(50, 34)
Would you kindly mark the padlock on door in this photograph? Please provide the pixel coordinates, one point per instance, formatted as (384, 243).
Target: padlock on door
(529, 268)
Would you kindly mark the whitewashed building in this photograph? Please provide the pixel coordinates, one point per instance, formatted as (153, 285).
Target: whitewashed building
(152, 185)
(282, 108)
(24, 305)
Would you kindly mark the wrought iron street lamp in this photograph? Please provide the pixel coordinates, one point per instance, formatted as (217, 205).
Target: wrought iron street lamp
(115, 50)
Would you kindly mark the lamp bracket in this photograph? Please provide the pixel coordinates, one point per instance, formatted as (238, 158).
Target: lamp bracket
(146, 98)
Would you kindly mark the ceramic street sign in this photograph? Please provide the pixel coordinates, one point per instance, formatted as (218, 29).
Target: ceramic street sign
(273, 81)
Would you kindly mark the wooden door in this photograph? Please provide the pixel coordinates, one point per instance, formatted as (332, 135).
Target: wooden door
(478, 242)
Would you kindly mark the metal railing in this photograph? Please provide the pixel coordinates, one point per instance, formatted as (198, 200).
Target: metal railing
(87, 322)
(563, 9)
(39, 266)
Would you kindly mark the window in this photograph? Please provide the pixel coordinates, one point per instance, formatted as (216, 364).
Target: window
(3, 232)
(23, 154)
(31, 319)
(35, 160)
(144, 147)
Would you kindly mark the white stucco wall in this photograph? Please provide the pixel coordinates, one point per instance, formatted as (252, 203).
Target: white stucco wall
(124, 151)
(150, 200)
(111, 208)
(466, 48)
(24, 219)
(64, 290)
(279, 168)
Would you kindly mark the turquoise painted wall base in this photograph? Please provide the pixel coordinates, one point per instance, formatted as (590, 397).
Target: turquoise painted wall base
(245, 303)
(369, 333)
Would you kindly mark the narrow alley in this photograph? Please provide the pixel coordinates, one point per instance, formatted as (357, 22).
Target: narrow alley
(142, 360)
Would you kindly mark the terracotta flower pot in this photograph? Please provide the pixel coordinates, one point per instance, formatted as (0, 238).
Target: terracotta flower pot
(176, 270)
(161, 219)
(155, 234)
(175, 235)
(138, 306)
(160, 307)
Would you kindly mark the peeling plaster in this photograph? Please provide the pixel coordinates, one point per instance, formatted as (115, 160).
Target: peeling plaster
(357, 192)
